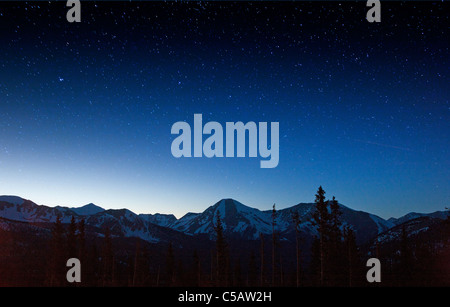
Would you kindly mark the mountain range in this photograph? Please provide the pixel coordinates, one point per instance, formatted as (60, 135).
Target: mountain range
(239, 221)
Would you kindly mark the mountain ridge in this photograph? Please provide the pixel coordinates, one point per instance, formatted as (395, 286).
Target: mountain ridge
(239, 221)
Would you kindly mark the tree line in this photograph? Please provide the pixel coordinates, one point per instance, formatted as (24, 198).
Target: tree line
(332, 258)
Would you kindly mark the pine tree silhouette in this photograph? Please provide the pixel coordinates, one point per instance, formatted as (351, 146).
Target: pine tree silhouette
(296, 222)
(72, 239)
(92, 267)
(57, 276)
(321, 219)
(274, 243)
(352, 257)
(335, 255)
(81, 238)
(107, 260)
(262, 269)
(221, 252)
(406, 258)
(315, 264)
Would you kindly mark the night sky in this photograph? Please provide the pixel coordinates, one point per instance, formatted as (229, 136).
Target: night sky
(86, 109)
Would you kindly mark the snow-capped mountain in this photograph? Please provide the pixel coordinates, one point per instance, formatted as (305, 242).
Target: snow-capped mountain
(423, 229)
(23, 210)
(248, 223)
(88, 209)
(122, 222)
(15, 200)
(365, 225)
(164, 220)
(236, 219)
(125, 223)
(239, 221)
(413, 215)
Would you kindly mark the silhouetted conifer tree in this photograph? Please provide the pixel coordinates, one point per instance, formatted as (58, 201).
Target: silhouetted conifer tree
(107, 260)
(72, 239)
(334, 247)
(91, 267)
(296, 221)
(352, 257)
(274, 243)
(57, 275)
(406, 258)
(81, 238)
(315, 265)
(221, 252)
(262, 268)
(321, 219)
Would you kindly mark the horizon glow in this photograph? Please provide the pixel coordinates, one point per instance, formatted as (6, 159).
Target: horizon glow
(86, 109)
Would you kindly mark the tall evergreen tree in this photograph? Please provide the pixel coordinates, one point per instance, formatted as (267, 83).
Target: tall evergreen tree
(81, 239)
(296, 221)
(72, 239)
(107, 260)
(447, 224)
(335, 219)
(262, 269)
(406, 258)
(321, 219)
(221, 252)
(92, 267)
(58, 256)
(334, 247)
(274, 243)
(352, 257)
(315, 264)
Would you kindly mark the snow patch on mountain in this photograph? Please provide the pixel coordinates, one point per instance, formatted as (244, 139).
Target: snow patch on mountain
(15, 200)
(414, 215)
(88, 209)
(382, 224)
(183, 223)
(164, 220)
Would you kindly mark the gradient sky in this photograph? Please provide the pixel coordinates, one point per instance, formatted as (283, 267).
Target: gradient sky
(86, 109)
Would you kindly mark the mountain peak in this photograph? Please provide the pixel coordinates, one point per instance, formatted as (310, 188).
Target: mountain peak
(229, 205)
(230, 202)
(159, 219)
(88, 209)
(225, 201)
(15, 200)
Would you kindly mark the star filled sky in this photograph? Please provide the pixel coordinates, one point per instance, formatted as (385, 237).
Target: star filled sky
(86, 108)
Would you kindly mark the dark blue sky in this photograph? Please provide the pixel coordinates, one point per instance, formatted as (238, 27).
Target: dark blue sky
(86, 109)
